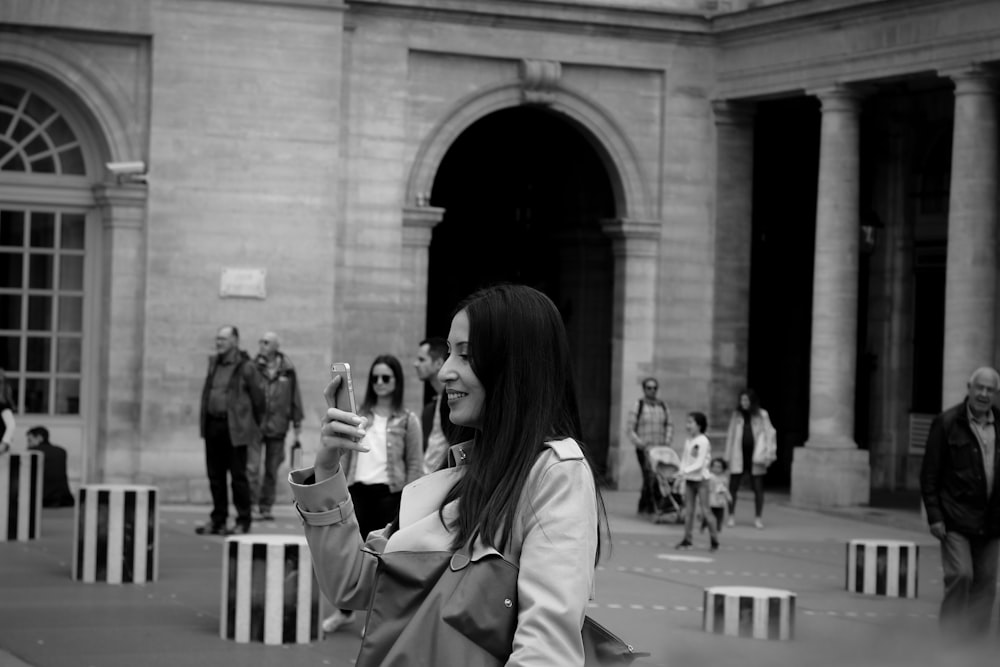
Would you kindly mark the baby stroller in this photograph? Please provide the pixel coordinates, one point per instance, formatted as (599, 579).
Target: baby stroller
(668, 497)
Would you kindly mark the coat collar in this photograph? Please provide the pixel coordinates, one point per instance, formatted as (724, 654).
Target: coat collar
(460, 454)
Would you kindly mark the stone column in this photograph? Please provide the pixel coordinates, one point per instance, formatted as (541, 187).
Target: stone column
(635, 245)
(830, 470)
(970, 283)
(734, 132)
(418, 227)
(117, 454)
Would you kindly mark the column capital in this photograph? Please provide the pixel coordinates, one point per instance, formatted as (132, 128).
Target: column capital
(840, 97)
(419, 223)
(730, 112)
(123, 205)
(124, 194)
(973, 79)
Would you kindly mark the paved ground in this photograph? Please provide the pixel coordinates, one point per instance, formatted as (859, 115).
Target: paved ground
(647, 592)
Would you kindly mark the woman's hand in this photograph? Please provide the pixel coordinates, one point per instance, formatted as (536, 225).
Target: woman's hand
(341, 430)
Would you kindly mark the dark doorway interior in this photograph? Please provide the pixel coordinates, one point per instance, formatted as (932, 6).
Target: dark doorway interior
(786, 171)
(524, 193)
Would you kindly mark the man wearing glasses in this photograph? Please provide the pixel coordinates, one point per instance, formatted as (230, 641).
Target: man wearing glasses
(283, 409)
(649, 426)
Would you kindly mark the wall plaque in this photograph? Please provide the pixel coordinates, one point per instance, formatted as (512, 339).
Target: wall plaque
(243, 283)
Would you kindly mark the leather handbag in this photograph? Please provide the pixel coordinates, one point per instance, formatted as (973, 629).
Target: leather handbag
(474, 595)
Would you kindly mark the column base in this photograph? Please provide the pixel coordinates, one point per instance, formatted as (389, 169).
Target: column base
(830, 477)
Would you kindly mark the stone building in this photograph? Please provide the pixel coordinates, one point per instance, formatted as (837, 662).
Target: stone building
(797, 194)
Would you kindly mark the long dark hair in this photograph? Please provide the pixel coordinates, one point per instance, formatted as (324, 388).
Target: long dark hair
(519, 352)
(397, 393)
(754, 401)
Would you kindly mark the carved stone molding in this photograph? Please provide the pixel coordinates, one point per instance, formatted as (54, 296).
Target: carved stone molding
(539, 80)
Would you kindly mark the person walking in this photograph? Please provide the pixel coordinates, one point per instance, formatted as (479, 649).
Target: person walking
(749, 451)
(282, 408)
(438, 430)
(649, 426)
(695, 473)
(520, 500)
(232, 405)
(958, 479)
(394, 458)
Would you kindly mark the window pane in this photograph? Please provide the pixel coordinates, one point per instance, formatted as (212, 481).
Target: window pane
(36, 146)
(59, 132)
(71, 272)
(45, 165)
(43, 230)
(70, 313)
(11, 267)
(40, 271)
(72, 231)
(72, 161)
(39, 357)
(68, 357)
(38, 109)
(12, 228)
(13, 164)
(40, 313)
(36, 395)
(10, 311)
(10, 354)
(67, 397)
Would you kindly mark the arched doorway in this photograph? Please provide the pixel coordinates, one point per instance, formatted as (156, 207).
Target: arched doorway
(524, 192)
(51, 252)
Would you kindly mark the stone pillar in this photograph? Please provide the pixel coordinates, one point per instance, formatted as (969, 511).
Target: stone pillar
(116, 456)
(830, 470)
(418, 227)
(734, 134)
(635, 245)
(970, 283)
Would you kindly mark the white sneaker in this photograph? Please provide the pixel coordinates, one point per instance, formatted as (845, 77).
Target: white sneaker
(758, 523)
(730, 522)
(337, 620)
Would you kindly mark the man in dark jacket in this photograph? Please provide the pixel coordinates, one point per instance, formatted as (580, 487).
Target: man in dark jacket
(232, 405)
(55, 484)
(283, 409)
(958, 481)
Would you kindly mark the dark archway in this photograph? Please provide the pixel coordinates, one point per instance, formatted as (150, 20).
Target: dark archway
(524, 192)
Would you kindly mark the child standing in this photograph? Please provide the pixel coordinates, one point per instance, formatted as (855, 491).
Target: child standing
(695, 472)
(718, 493)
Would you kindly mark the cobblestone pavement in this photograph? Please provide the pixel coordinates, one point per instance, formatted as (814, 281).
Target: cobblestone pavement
(647, 592)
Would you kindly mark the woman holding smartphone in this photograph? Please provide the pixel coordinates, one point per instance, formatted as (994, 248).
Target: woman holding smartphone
(521, 495)
(394, 444)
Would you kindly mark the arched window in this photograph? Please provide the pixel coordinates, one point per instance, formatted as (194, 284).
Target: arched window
(34, 137)
(42, 260)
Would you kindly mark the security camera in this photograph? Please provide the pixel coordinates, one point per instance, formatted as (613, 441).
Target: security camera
(126, 168)
(128, 172)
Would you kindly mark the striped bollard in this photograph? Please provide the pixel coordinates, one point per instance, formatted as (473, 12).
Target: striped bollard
(883, 567)
(21, 496)
(115, 534)
(750, 611)
(269, 592)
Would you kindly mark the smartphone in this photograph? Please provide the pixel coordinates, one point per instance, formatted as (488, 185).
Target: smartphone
(346, 386)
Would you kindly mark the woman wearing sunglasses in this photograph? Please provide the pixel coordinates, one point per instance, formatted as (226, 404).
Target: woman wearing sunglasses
(394, 458)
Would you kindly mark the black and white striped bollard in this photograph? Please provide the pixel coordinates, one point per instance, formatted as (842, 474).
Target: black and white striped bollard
(21, 496)
(883, 567)
(269, 592)
(115, 534)
(750, 611)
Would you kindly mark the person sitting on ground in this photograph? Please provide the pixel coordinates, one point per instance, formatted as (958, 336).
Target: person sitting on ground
(55, 485)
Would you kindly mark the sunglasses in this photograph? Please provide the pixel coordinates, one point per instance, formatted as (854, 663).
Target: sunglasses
(651, 386)
(384, 379)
